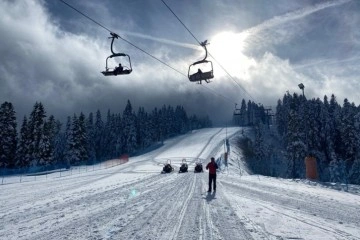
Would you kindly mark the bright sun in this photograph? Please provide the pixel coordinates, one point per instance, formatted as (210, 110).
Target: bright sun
(227, 48)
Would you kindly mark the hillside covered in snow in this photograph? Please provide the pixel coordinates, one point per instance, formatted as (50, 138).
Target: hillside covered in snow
(135, 201)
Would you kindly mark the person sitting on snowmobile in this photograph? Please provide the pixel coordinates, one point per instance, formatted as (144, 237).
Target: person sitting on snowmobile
(212, 166)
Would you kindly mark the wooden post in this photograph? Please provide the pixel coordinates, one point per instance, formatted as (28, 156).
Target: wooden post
(311, 167)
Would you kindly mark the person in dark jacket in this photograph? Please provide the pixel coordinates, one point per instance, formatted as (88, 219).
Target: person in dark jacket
(212, 166)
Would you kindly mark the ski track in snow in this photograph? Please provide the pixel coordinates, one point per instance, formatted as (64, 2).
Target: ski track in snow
(318, 213)
(135, 201)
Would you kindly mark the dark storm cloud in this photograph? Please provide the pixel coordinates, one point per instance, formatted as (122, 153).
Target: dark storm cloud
(41, 62)
(52, 54)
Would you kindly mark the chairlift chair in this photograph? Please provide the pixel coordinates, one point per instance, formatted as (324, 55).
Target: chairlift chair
(119, 70)
(200, 76)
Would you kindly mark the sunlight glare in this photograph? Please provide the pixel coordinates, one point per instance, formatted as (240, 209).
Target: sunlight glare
(228, 49)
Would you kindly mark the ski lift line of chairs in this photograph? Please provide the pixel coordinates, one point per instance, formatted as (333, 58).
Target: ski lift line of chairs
(200, 75)
(120, 69)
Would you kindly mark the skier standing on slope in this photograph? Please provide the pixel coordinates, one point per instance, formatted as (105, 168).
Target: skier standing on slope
(212, 166)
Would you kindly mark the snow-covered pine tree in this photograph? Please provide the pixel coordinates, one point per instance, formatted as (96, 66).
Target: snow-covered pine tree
(141, 125)
(59, 146)
(182, 119)
(129, 129)
(111, 136)
(279, 118)
(23, 151)
(69, 143)
(243, 114)
(348, 134)
(261, 154)
(332, 140)
(154, 134)
(76, 146)
(90, 129)
(155, 125)
(177, 120)
(36, 126)
(282, 115)
(313, 116)
(118, 138)
(163, 122)
(46, 146)
(354, 174)
(74, 143)
(147, 138)
(329, 132)
(8, 135)
(326, 144)
(335, 121)
(106, 137)
(193, 122)
(296, 146)
(98, 136)
(170, 121)
(338, 171)
(82, 138)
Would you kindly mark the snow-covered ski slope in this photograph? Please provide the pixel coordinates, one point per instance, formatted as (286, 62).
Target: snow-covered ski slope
(135, 201)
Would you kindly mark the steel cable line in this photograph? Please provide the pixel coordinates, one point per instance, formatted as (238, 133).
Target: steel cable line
(85, 16)
(181, 22)
(242, 88)
(140, 49)
(216, 93)
(209, 52)
(152, 56)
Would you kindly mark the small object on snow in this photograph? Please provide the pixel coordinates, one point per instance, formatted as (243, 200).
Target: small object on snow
(167, 167)
(184, 166)
(198, 167)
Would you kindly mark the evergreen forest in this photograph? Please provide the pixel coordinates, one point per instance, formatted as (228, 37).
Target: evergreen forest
(44, 142)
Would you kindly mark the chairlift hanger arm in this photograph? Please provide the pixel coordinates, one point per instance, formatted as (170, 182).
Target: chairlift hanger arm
(203, 44)
(113, 36)
(199, 62)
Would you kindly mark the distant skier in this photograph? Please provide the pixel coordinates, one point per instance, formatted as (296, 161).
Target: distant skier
(212, 166)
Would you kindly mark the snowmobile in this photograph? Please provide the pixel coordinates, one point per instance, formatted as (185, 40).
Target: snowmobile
(198, 167)
(183, 167)
(167, 167)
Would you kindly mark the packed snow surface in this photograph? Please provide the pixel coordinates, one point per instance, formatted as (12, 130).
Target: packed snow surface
(135, 201)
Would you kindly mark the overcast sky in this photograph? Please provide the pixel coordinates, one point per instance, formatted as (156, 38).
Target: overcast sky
(51, 53)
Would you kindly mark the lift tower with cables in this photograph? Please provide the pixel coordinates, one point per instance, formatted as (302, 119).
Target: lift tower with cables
(269, 115)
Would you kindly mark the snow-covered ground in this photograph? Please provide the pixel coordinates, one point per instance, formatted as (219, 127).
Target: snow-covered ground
(135, 201)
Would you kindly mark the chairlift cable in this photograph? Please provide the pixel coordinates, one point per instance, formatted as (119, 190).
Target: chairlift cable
(140, 49)
(209, 52)
(85, 16)
(232, 77)
(216, 93)
(152, 56)
(181, 22)
(127, 41)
